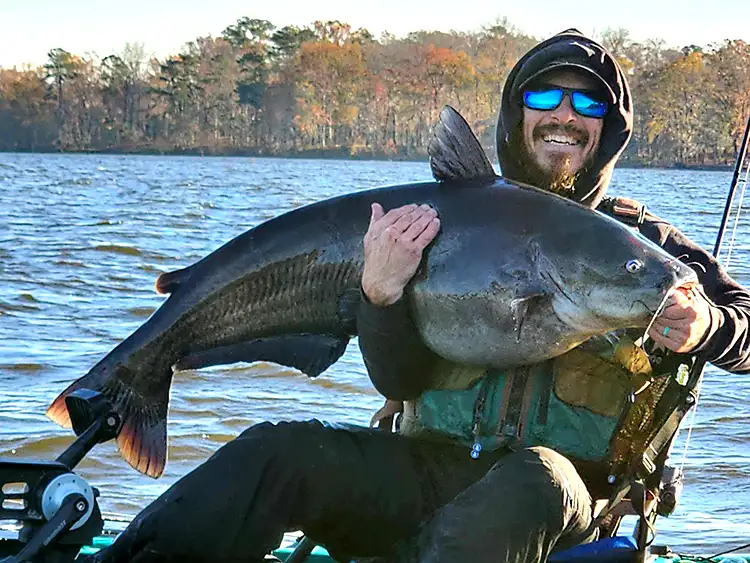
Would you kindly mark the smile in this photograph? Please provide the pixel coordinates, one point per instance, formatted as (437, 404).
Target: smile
(561, 140)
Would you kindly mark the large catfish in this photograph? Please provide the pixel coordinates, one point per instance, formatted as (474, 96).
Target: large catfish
(516, 276)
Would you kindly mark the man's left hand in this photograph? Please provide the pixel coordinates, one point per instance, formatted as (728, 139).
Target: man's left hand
(683, 323)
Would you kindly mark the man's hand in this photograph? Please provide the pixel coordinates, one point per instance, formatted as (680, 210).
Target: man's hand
(393, 249)
(685, 320)
(384, 417)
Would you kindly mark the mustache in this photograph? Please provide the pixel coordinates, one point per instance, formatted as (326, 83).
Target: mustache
(563, 129)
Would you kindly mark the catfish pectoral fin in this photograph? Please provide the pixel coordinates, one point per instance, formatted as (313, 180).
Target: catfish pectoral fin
(142, 439)
(312, 354)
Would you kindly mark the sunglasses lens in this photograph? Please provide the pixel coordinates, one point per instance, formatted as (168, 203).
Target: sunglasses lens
(588, 106)
(544, 100)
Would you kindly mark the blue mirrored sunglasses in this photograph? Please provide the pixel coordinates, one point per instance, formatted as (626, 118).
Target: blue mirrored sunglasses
(547, 98)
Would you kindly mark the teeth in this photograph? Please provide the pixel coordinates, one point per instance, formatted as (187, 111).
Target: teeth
(561, 139)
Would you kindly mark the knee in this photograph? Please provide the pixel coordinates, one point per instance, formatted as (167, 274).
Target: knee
(545, 473)
(266, 441)
(553, 463)
(274, 432)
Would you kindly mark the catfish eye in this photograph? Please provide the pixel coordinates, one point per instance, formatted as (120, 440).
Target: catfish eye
(633, 266)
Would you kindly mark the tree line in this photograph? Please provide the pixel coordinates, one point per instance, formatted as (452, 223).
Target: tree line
(329, 90)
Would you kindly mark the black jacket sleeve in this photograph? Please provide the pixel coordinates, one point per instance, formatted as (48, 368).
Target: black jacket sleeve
(727, 342)
(397, 360)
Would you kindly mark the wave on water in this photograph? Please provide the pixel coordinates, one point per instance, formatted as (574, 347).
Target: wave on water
(118, 249)
(6, 307)
(25, 367)
(141, 312)
(72, 227)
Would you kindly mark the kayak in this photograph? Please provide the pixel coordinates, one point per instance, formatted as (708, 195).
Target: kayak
(622, 549)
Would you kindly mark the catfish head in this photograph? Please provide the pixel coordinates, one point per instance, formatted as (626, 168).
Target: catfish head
(618, 279)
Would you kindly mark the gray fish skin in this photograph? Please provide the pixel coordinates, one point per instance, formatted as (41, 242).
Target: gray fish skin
(516, 276)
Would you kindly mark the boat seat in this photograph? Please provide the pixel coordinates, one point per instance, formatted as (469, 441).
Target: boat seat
(617, 549)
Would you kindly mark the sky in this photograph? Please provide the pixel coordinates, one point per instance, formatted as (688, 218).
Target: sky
(31, 28)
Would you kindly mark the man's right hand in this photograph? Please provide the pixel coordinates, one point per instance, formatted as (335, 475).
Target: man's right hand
(394, 243)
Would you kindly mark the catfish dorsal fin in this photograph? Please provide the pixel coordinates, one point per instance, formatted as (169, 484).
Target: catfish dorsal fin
(170, 281)
(455, 153)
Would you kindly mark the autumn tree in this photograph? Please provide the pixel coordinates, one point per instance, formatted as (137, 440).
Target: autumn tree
(259, 89)
(27, 115)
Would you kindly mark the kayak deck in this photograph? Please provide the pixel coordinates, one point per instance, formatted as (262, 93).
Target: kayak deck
(320, 555)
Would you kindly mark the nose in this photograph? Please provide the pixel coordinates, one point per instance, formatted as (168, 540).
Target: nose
(564, 113)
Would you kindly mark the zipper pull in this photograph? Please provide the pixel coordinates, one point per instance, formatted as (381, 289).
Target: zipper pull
(475, 449)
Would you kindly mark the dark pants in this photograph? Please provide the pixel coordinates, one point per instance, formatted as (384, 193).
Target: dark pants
(360, 492)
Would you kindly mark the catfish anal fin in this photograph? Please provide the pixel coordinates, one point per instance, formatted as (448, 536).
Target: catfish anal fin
(312, 354)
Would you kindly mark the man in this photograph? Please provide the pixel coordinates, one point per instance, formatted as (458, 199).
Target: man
(501, 470)
(565, 118)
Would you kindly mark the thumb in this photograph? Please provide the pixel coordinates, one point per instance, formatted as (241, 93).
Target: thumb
(376, 212)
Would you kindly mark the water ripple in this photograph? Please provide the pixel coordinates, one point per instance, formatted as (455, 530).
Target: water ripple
(84, 237)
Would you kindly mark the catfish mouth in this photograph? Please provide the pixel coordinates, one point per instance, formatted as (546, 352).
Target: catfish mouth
(592, 319)
(688, 287)
(567, 309)
(559, 287)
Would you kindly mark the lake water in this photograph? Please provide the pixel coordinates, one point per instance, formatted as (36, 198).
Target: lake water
(83, 238)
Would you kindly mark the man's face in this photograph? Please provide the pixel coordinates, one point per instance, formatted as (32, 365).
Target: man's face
(560, 141)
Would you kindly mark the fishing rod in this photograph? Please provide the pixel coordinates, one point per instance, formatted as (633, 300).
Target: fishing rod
(741, 170)
(738, 169)
(741, 173)
(684, 394)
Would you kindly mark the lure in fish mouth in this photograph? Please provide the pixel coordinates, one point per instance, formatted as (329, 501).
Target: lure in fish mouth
(288, 291)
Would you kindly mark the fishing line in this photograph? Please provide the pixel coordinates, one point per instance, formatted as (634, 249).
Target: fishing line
(743, 164)
(737, 218)
(658, 311)
(697, 559)
(690, 426)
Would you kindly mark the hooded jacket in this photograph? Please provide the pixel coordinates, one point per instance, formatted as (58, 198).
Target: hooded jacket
(399, 363)
(569, 49)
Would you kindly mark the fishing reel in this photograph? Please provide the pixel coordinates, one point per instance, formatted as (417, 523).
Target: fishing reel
(51, 511)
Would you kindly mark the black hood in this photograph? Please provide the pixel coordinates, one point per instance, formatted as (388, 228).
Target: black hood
(573, 50)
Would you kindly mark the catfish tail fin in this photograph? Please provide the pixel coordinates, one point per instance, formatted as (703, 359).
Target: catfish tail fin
(142, 440)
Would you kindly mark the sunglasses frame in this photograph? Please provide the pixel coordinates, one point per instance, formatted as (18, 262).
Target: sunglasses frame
(593, 95)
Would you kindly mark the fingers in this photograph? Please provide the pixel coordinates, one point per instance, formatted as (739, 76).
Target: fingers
(677, 339)
(679, 307)
(383, 419)
(399, 219)
(683, 323)
(674, 336)
(424, 220)
(393, 247)
(428, 234)
(376, 213)
(408, 219)
(378, 224)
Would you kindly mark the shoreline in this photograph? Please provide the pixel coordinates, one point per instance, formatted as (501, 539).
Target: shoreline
(335, 154)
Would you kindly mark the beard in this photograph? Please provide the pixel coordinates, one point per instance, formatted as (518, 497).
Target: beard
(559, 178)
